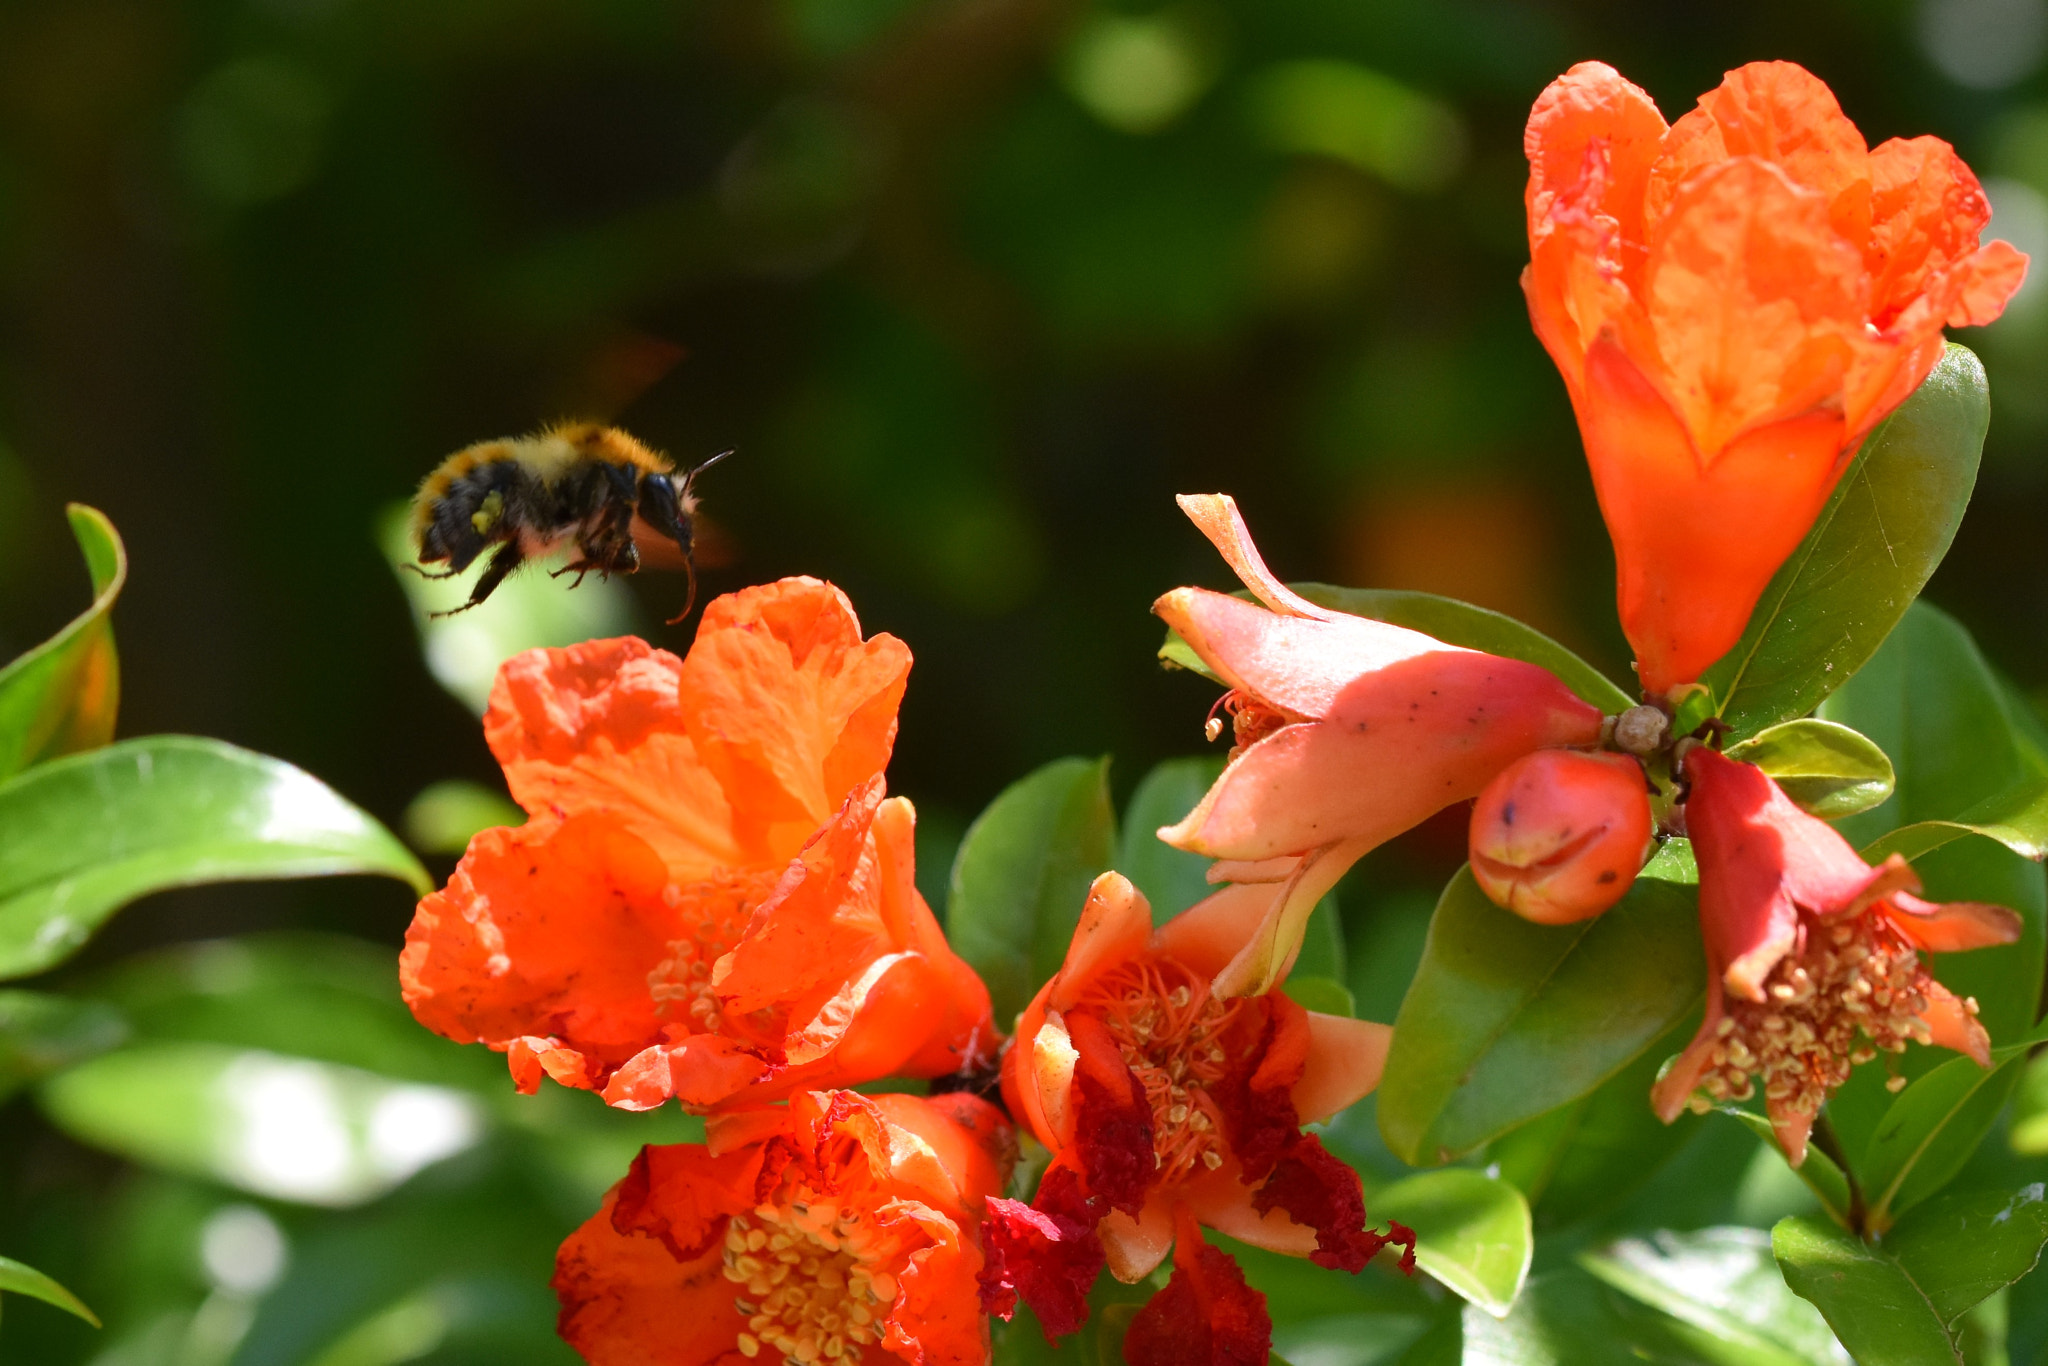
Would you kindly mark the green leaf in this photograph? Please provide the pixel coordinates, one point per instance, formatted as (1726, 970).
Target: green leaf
(26, 1280)
(1722, 1283)
(1324, 994)
(1171, 879)
(1825, 767)
(1506, 1020)
(82, 836)
(1879, 1308)
(1022, 876)
(42, 1033)
(61, 696)
(1472, 1232)
(285, 1127)
(445, 816)
(1964, 1246)
(1454, 623)
(1870, 552)
(1818, 1172)
(2027, 1130)
(1584, 1159)
(1930, 1131)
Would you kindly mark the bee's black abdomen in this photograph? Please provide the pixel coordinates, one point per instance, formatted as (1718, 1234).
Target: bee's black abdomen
(471, 514)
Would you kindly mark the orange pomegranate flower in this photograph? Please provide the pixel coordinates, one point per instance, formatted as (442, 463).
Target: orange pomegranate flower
(1819, 951)
(1167, 1105)
(1735, 301)
(712, 899)
(1349, 731)
(839, 1231)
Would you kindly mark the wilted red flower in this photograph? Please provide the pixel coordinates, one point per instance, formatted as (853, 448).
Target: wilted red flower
(1164, 1102)
(1560, 834)
(711, 900)
(1735, 302)
(1819, 951)
(1349, 731)
(839, 1230)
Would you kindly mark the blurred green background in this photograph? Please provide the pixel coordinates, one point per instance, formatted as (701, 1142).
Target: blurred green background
(973, 286)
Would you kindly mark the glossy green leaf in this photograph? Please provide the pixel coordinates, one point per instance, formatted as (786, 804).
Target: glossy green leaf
(1827, 768)
(1022, 875)
(1454, 623)
(1723, 1284)
(1506, 1020)
(61, 696)
(41, 1033)
(26, 1280)
(2027, 1129)
(1472, 1232)
(1872, 549)
(1818, 1173)
(285, 1127)
(1964, 1246)
(1876, 1303)
(1171, 879)
(1930, 1131)
(1584, 1159)
(82, 836)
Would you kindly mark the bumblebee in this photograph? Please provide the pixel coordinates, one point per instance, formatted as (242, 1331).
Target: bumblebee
(580, 485)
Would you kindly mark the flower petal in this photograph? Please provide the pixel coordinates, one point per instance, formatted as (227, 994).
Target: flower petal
(1947, 927)
(1952, 1025)
(597, 728)
(1116, 922)
(789, 707)
(1047, 1254)
(1217, 517)
(1269, 951)
(1324, 1194)
(1112, 1118)
(1345, 1059)
(1206, 1316)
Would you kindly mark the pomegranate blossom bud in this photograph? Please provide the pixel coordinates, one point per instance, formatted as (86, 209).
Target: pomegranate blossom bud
(1560, 834)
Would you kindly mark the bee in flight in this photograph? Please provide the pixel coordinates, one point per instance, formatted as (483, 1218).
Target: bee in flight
(578, 484)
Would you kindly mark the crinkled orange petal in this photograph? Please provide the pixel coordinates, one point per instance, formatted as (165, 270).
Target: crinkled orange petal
(962, 1034)
(868, 1027)
(627, 1300)
(1781, 113)
(1345, 1059)
(820, 923)
(1927, 212)
(971, 1140)
(1221, 1200)
(1591, 139)
(937, 1318)
(789, 706)
(701, 1071)
(598, 728)
(545, 931)
(1752, 296)
(1695, 548)
(1986, 280)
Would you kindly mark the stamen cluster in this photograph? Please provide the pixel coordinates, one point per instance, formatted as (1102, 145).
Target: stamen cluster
(1854, 989)
(1170, 1031)
(806, 1267)
(683, 979)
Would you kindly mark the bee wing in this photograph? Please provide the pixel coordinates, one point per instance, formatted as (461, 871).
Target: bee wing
(656, 550)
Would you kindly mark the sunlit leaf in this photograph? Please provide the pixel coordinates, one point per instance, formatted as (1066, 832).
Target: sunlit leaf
(82, 836)
(1723, 1284)
(1827, 768)
(1472, 1232)
(26, 1280)
(1507, 1020)
(1022, 875)
(1963, 1246)
(446, 815)
(61, 696)
(289, 1128)
(1454, 623)
(1879, 1310)
(1171, 879)
(1873, 547)
(1930, 1131)
(1325, 994)
(41, 1033)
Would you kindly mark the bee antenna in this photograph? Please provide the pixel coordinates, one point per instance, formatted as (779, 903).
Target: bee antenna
(690, 475)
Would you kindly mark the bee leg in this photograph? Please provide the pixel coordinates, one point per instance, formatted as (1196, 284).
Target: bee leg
(508, 558)
(444, 574)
